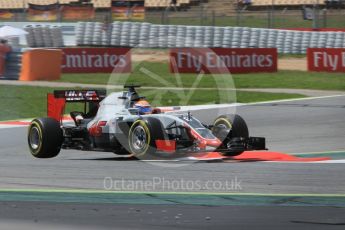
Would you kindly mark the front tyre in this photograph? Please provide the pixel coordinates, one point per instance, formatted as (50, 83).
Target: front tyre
(139, 138)
(230, 129)
(142, 137)
(45, 138)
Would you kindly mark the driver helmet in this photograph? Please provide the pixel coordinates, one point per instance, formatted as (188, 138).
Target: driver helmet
(143, 106)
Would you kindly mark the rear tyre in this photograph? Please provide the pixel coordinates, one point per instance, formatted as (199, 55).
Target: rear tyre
(45, 138)
(229, 129)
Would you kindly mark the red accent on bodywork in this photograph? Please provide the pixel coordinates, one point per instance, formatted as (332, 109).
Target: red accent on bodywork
(156, 111)
(102, 123)
(166, 145)
(96, 129)
(55, 107)
(213, 142)
(203, 142)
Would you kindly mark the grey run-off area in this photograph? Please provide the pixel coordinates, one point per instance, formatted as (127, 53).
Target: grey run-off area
(291, 126)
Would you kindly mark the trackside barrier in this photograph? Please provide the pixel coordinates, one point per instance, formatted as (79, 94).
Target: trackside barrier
(13, 64)
(147, 35)
(223, 60)
(326, 59)
(44, 36)
(41, 64)
(96, 60)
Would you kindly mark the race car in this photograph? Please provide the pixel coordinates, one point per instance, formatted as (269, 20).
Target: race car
(125, 123)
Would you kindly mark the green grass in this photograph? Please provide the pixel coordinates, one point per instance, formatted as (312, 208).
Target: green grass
(27, 102)
(282, 55)
(281, 79)
(292, 80)
(249, 19)
(198, 97)
(252, 19)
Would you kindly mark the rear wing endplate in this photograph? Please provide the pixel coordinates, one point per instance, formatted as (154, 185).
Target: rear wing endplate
(56, 101)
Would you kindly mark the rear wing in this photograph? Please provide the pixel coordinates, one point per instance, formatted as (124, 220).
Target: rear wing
(80, 95)
(57, 100)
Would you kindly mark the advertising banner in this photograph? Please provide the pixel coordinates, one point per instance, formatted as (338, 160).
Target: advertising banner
(326, 59)
(6, 14)
(223, 60)
(96, 60)
(122, 10)
(53, 6)
(78, 12)
(42, 12)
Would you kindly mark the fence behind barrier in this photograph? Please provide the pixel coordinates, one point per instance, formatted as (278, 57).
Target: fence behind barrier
(267, 17)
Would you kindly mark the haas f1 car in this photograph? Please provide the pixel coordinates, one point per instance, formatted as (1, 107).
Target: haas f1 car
(124, 123)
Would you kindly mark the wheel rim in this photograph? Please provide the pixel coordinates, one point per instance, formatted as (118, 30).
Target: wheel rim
(139, 139)
(223, 122)
(34, 138)
(223, 126)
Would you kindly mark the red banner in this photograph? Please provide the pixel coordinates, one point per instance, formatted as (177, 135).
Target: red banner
(96, 60)
(315, 29)
(6, 14)
(42, 12)
(78, 12)
(135, 13)
(134, 9)
(223, 60)
(326, 59)
(39, 15)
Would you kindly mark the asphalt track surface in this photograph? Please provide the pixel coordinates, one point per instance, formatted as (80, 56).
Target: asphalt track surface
(316, 125)
(42, 215)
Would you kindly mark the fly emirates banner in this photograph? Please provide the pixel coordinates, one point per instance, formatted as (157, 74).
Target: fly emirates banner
(223, 60)
(326, 59)
(96, 60)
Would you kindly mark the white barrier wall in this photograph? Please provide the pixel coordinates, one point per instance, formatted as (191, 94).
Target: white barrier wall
(168, 36)
(44, 36)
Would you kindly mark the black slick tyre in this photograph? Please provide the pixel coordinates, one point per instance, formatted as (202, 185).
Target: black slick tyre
(230, 127)
(45, 138)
